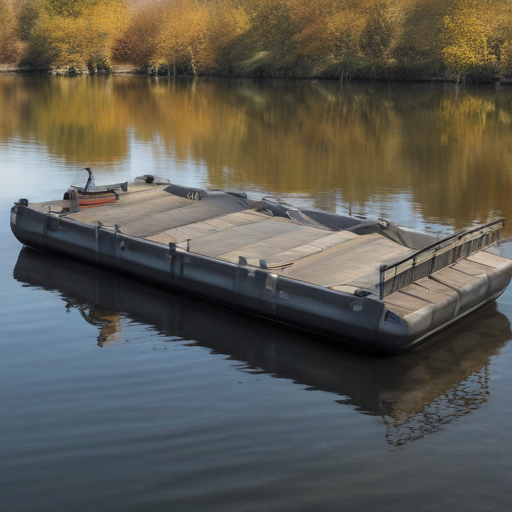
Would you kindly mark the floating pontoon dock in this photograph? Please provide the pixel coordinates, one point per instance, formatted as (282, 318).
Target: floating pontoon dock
(372, 283)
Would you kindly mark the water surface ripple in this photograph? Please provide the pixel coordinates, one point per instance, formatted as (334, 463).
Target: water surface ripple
(119, 396)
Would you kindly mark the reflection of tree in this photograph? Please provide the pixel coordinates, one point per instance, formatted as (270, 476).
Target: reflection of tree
(443, 145)
(462, 171)
(77, 120)
(446, 148)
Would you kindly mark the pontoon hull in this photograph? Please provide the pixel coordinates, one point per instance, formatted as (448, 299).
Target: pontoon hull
(363, 321)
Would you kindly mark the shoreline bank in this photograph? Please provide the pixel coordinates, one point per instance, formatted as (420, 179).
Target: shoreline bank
(120, 70)
(130, 70)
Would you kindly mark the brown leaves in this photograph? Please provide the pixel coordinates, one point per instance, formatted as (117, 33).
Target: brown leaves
(454, 39)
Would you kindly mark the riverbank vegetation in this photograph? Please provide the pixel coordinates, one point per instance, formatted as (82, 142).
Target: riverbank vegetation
(462, 40)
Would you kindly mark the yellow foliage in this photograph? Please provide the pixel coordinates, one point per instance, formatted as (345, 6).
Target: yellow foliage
(77, 37)
(461, 39)
(183, 39)
(505, 63)
(466, 46)
(137, 42)
(9, 43)
(419, 47)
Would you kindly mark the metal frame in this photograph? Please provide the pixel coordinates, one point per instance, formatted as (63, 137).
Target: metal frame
(434, 257)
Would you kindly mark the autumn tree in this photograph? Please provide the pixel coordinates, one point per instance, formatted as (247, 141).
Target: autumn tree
(74, 34)
(466, 51)
(9, 42)
(419, 49)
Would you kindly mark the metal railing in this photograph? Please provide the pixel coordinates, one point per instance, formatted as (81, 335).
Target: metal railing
(430, 259)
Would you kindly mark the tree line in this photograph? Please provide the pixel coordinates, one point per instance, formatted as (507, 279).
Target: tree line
(462, 40)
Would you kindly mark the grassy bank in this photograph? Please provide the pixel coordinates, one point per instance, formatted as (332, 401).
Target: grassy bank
(463, 40)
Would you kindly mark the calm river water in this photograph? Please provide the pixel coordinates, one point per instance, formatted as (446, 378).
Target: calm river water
(116, 396)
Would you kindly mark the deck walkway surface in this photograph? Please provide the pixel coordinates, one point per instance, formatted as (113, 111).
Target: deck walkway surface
(220, 226)
(226, 230)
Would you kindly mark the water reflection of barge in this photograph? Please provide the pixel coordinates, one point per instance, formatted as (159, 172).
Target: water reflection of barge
(373, 283)
(416, 394)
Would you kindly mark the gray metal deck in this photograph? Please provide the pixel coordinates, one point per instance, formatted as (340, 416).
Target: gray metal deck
(287, 266)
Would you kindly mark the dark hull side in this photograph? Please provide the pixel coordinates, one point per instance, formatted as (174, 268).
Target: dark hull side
(358, 320)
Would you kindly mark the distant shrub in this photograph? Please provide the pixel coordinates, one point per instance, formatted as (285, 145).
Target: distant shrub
(72, 35)
(466, 49)
(136, 42)
(9, 41)
(418, 52)
(182, 43)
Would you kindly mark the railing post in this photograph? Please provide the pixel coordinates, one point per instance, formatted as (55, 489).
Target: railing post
(433, 264)
(382, 280)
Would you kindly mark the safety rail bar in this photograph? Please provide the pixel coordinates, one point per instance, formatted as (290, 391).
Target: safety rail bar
(439, 255)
